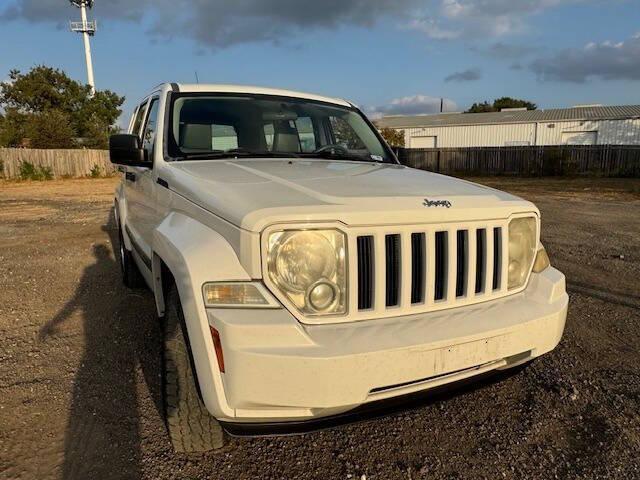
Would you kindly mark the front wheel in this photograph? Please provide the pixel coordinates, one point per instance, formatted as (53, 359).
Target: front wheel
(191, 427)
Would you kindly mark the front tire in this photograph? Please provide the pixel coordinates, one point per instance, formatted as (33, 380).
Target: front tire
(191, 427)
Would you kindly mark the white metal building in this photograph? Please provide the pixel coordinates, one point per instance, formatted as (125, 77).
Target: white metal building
(583, 125)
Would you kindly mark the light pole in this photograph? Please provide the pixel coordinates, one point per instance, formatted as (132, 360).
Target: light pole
(88, 29)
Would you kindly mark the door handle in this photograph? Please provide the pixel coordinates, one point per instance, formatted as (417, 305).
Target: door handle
(130, 176)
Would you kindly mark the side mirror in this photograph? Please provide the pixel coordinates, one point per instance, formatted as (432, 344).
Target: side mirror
(125, 149)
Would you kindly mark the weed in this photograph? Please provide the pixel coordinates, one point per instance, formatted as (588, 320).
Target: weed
(95, 172)
(29, 171)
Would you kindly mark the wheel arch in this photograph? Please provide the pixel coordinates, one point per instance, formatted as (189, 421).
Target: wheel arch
(190, 254)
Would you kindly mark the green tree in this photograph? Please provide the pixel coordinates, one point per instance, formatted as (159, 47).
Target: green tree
(12, 128)
(481, 108)
(395, 138)
(508, 102)
(501, 103)
(50, 129)
(43, 90)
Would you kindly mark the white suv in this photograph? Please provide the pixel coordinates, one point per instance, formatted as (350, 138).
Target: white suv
(302, 273)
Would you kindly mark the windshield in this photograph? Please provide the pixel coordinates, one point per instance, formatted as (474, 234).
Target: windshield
(222, 126)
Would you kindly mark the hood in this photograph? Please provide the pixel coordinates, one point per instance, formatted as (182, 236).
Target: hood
(254, 193)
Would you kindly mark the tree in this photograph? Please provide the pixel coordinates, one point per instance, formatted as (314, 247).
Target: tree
(481, 108)
(501, 103)
(395, 138)
(44, 90)
(12, 128)
(508, 102)
(50, 129)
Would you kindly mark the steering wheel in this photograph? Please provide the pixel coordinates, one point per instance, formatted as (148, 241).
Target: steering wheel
(333, 148)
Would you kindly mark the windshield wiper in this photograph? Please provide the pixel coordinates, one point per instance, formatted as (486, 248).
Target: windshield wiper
(328, 154)
(236, 153)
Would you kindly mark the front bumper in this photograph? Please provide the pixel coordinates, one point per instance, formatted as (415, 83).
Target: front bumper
(278, 370)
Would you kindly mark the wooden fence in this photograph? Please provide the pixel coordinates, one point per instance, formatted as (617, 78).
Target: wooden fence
(61, 163)
(599, 160)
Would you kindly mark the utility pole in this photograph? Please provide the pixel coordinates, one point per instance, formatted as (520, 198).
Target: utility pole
(88, 29)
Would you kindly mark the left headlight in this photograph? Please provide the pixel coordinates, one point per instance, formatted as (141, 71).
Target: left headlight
(309, 267)
(522, 249)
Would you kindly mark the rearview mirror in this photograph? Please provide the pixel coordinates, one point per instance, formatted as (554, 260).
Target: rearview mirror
(281, 116)
(125, 149)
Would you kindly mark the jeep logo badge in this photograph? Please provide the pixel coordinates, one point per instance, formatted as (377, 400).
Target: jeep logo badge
(436, 203)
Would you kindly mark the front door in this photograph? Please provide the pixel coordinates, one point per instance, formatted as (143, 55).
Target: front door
(142, 205)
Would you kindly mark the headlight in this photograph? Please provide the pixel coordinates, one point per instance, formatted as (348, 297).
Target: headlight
(309, 267)
(522, 249)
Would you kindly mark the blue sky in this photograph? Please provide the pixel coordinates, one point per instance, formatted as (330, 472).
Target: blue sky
(388, 56)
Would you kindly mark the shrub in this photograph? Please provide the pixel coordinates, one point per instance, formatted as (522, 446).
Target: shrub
(29, 171)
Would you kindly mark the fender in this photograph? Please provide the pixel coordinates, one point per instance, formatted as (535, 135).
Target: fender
(196, 254)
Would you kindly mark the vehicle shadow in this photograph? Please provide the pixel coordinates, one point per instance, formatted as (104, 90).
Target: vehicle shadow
(121, 338)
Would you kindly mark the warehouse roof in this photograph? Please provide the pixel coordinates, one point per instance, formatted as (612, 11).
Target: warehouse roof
(512, 116)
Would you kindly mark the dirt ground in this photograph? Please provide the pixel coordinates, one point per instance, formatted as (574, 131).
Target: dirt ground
(80, 362)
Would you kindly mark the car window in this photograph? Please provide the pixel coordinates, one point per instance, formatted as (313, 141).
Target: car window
(149, 137)
(269, 126)
(137, 122)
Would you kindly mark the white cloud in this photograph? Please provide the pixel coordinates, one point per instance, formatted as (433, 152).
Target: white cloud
(607, 60)
(479, 18)
(412, 105)
(432, 29)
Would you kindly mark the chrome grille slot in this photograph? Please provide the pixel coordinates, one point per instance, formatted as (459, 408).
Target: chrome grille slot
(422, 268)
(393, 258)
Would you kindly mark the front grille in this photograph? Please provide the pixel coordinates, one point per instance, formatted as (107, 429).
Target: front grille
(427, 268)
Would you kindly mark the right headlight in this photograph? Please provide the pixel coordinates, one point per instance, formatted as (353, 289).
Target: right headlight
(522, 249)
(309, 268)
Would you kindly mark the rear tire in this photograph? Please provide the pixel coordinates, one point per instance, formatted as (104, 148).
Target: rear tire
(131, 276)
(191, 426)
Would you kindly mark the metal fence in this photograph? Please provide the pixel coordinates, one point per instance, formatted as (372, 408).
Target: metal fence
(598, 160)
(61, 163)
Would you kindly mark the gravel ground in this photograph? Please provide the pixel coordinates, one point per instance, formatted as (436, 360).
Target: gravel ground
(80, 376)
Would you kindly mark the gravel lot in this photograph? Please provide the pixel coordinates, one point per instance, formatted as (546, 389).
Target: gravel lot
(79, 362)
